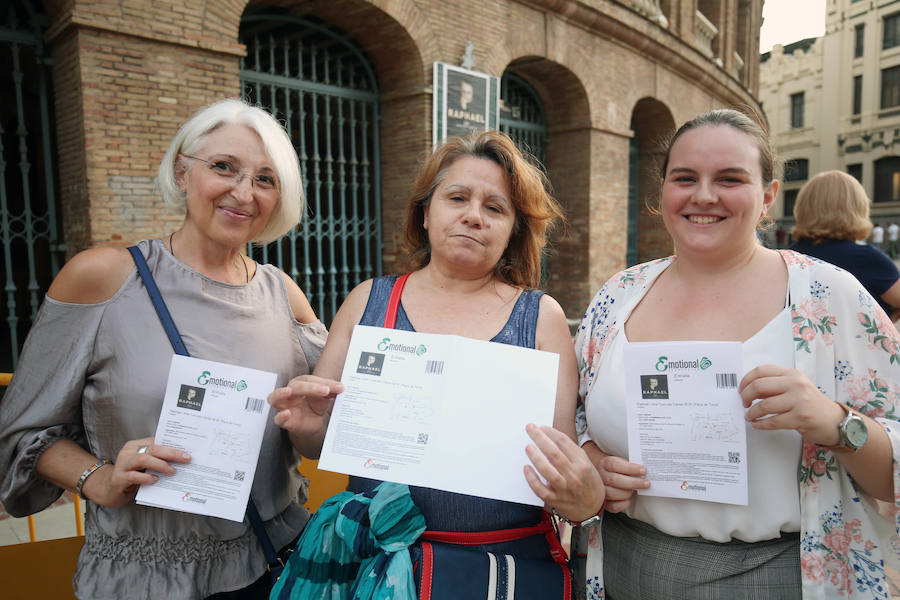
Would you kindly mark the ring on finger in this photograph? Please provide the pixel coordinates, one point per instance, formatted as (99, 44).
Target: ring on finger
(143, 449)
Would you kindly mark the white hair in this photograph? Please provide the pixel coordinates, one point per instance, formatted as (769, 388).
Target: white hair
(276, 143)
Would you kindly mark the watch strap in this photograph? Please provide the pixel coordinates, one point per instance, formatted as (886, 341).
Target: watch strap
(842, 443)
(589, 522)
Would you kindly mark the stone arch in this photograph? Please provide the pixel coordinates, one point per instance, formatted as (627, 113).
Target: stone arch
(396, 36)
(568, 164)
(651, 123)
(398, 40)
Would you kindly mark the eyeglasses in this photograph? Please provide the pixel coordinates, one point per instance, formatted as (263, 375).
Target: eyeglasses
(227, 168)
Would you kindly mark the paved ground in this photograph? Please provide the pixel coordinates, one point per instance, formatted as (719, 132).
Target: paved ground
(58, 521)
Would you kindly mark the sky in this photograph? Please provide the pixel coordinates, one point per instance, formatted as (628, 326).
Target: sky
(786, 21)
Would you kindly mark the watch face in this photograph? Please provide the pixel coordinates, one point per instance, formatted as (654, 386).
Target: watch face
(856, 433)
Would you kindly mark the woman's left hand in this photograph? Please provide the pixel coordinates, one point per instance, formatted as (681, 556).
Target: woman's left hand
(570, 482)
(789, 400)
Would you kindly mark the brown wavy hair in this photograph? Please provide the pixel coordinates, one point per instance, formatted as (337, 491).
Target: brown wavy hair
(536, 209)
(832, 206)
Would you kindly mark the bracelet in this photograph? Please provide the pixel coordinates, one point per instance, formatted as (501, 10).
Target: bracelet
(88, 472)
(589, 522)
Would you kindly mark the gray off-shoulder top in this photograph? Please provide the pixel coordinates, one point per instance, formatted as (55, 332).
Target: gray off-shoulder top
(96, 374)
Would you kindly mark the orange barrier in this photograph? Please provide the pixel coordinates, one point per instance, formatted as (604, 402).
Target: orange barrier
(322, 484)
(40, 569)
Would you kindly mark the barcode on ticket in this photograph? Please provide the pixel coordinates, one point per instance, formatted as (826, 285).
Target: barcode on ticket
(254, 405)
(434, 367)
(726, 380)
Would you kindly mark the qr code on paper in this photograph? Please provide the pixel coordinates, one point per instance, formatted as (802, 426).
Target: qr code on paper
(239, 475)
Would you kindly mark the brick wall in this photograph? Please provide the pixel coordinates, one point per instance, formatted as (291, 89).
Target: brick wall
(129, 73)
(126, 77)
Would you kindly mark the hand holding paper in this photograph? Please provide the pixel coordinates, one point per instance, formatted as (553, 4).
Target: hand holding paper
(440, 411)
(789, 400)
(686, 420)
(570, 482)
(304, 408)
(621, 477)
(218, 413)
(117, 484)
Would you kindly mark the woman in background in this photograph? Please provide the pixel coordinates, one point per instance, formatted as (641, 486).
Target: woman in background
(832, 214)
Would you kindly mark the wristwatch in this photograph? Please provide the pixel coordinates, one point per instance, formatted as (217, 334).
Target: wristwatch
(852, 429)
(589, 522)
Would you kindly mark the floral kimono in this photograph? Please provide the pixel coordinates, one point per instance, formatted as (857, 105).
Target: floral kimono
(849, 348)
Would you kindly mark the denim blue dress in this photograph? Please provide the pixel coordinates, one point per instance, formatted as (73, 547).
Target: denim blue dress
(448, 511)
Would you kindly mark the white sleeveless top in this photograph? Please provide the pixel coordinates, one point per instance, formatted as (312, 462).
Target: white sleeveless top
(773, 456)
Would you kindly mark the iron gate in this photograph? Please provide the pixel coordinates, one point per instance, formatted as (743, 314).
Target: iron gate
(634, 157)
(321, 85)
(522, 119)
(522, 116)
(31, 249)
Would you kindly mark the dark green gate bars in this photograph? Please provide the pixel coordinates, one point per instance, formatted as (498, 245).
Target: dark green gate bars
(31, 249)
(321, 85)
(522, 116)
(522, 119)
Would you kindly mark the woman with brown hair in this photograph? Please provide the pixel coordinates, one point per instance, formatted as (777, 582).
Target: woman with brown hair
(476, 227)
(832, 214)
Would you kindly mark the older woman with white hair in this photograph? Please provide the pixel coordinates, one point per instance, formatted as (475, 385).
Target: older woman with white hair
(83, 405)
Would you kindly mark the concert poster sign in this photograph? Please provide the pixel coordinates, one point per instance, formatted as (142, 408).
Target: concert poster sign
(464, 101)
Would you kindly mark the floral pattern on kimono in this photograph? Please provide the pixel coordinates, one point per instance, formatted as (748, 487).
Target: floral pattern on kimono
(846, 345)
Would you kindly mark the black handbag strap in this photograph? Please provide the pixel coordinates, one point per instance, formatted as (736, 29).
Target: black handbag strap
(273, 563)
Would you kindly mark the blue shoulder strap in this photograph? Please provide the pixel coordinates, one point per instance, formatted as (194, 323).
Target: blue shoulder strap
(158, 303)
(274, 564)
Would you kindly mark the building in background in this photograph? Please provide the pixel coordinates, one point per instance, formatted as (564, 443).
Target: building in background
(845, 116)
(91, 93)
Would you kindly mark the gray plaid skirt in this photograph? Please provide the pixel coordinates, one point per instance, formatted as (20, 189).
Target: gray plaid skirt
(642, 563)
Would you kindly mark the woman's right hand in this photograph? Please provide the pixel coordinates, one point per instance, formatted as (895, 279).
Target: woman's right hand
(304, 408)
(620, 477)
(115, 485)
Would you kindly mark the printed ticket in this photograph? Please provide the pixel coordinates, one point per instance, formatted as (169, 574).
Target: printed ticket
(686, 420)
(217, 413)
(440, 411)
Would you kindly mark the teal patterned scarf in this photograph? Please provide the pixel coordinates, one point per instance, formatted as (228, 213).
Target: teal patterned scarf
(355, 548)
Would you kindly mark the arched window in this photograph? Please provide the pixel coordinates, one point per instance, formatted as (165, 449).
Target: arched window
(522, 116)
(321, 84)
